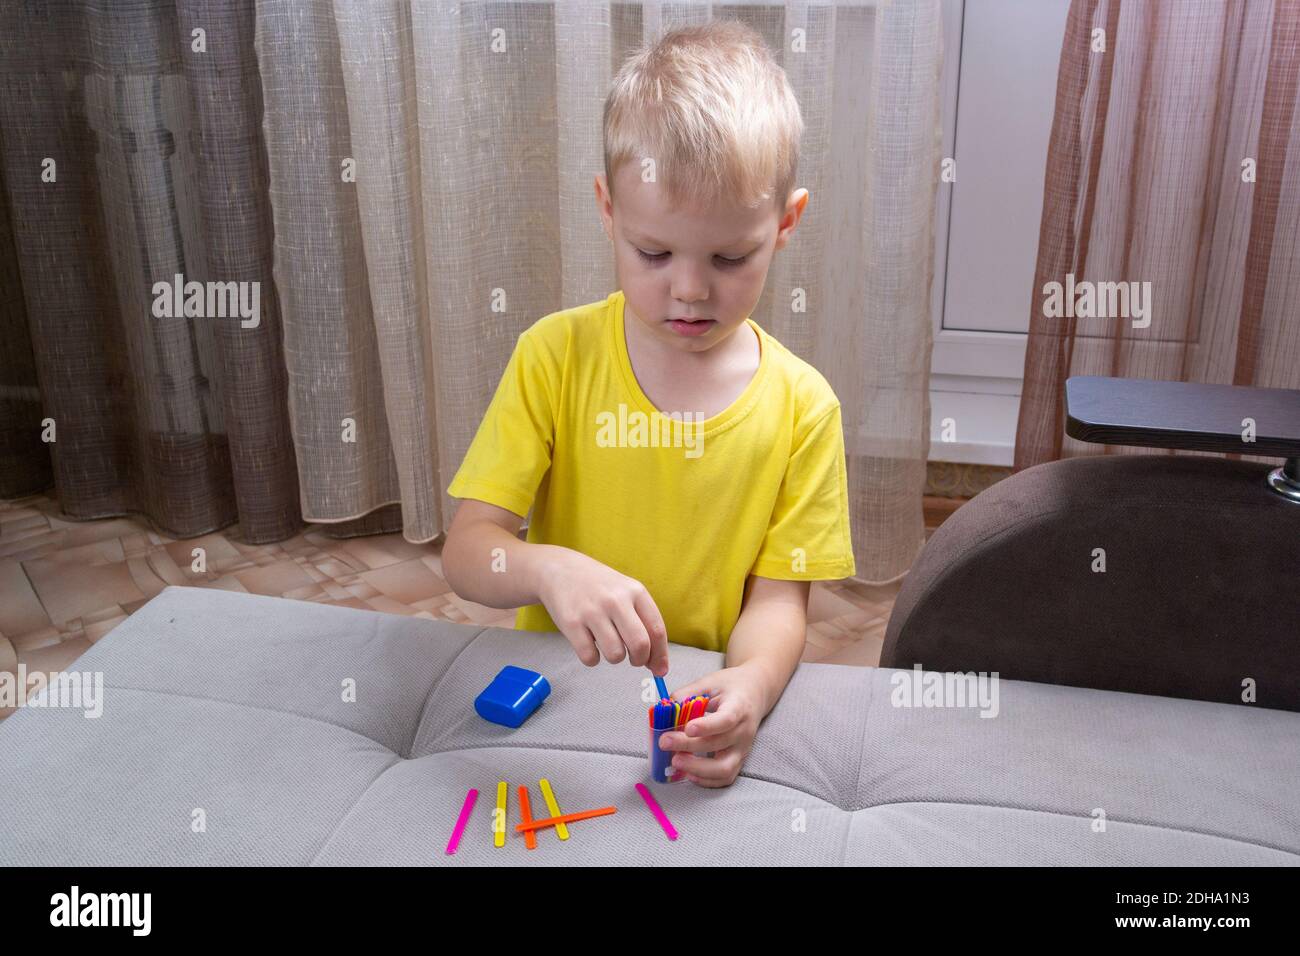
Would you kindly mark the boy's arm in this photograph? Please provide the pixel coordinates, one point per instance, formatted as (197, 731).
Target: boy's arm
(769, 635)
(763, 651)
(475, 569)
(599, 610)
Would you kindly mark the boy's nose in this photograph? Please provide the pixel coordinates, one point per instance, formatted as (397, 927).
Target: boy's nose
(689, 287)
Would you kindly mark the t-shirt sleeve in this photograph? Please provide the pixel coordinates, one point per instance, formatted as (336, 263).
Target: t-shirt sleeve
(511, 451)
(808, 535)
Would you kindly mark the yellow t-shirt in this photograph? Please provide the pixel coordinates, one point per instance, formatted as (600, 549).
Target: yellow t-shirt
(688, 508)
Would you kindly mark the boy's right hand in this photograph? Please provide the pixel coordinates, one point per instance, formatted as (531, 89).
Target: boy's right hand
(601, 611)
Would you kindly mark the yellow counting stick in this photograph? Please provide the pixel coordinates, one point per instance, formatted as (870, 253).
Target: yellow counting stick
(560, 829)
(499, 818)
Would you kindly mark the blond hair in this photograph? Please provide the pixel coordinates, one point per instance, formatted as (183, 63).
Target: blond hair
(713, 109)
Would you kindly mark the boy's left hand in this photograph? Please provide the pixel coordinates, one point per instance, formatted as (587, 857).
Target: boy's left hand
(727, 729)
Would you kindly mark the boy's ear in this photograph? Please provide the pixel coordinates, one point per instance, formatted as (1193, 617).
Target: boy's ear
(793, 212)
(602, 201)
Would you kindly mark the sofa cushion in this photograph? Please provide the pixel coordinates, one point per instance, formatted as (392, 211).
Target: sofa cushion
(233, 703)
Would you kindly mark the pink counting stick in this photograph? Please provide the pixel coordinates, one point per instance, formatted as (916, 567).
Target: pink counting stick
(654, 808)
(461, 821)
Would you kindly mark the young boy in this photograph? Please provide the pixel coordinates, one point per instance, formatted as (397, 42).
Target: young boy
(685, 470)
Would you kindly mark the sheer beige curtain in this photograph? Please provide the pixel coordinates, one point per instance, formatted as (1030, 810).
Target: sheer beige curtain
(1175, 160)
(472, 133)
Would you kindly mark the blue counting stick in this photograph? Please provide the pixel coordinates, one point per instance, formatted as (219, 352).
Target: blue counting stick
(661, 761)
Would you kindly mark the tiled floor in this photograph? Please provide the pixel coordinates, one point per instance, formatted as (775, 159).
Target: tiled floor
(65, 584)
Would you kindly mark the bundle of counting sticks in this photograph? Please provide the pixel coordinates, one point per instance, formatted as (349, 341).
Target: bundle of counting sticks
(665, 716)
(674, 715)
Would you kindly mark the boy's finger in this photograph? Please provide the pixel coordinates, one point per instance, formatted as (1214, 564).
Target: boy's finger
(656, 631)
(633, 634)
(710, 732)
(699, 688)
(710, 771)
(716, 722)
(711, 724)
(701, 745)
(608, 640)
(584, 646)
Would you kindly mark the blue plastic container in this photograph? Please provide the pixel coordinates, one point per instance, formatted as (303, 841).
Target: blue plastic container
(513, 694)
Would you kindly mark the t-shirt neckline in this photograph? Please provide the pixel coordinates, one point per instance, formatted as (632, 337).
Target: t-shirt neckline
(737, 409)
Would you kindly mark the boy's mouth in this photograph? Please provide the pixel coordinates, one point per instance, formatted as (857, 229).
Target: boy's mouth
(690, 326)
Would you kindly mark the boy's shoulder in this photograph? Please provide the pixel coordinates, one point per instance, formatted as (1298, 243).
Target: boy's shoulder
(557, 337)
(806, 392)
(579, 321)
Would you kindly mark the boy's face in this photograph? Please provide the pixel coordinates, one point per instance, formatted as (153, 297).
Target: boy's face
(691, 262)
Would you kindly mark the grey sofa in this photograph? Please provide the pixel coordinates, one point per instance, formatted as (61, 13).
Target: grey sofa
(233, 704)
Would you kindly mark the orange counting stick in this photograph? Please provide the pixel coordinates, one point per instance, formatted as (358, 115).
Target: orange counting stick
(566, 818)
(526, 813)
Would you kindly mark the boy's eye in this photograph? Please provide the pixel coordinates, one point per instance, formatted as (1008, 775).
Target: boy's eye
(658, 256)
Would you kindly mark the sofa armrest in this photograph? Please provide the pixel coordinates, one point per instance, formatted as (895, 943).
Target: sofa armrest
(1192, 416)
(1154, 574)
(1187, 415)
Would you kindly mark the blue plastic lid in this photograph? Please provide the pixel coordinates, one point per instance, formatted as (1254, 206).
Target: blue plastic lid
(513, 694)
